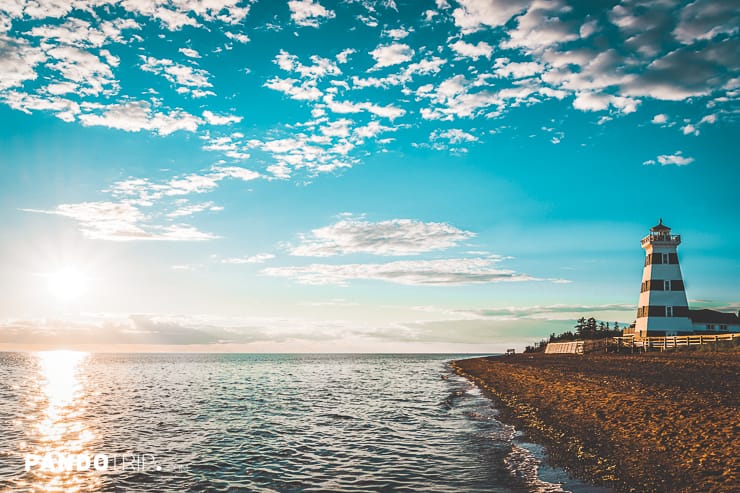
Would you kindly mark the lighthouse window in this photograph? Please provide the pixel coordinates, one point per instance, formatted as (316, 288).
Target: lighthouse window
(665, 258)
(668, 310)
(666, 286)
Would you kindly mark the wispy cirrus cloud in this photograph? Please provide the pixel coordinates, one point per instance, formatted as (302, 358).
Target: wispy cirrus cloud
(259, 258)
(131, 214)
(113, 221)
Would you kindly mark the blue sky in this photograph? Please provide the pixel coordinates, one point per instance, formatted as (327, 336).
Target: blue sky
(357, 175)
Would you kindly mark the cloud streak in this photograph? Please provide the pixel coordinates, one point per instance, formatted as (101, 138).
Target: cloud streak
(123, 219)
(446, 272)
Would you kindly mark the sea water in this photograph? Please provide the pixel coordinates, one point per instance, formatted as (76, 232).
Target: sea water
(73, 421)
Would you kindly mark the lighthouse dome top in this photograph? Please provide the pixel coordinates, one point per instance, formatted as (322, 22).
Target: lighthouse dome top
(660, 227)
(660, 235)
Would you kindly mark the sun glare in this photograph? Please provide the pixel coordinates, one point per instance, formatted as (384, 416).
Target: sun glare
(67, 284)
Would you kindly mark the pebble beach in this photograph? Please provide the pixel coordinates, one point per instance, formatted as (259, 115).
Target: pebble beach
(651, 422)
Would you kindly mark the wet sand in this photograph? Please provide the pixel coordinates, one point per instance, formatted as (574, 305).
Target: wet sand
(655, 422)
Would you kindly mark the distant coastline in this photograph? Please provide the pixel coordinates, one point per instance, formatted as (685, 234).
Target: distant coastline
(654, 422)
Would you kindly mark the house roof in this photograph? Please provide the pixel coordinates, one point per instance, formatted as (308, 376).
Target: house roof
(660, 227)
(713, 317)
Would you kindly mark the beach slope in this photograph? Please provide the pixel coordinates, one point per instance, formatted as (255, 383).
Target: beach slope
(656, 422)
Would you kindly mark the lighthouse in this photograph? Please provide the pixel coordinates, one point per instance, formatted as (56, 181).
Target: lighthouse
(663, 308)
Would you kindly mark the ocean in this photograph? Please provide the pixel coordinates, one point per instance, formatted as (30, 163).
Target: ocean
(107, 422)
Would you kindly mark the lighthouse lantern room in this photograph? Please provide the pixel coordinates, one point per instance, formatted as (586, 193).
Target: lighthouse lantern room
(663, 308)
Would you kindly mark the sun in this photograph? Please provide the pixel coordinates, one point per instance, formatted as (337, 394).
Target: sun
(67, 284)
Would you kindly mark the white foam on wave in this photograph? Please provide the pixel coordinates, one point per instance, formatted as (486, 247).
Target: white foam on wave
(525, 466)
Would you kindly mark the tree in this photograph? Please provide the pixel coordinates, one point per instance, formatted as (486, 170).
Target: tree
(580, 326)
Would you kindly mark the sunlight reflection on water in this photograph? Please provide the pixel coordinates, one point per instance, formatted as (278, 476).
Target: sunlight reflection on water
(56, 430)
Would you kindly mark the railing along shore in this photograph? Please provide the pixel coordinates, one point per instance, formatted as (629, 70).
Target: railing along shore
(671, 342)
(631, 342)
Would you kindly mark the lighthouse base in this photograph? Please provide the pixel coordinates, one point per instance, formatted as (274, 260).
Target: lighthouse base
(663, 326)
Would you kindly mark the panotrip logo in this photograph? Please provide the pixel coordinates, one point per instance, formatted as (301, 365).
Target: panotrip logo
(56, 462)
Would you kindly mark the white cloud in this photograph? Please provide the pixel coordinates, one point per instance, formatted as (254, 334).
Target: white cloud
(398, 33)
(175, 14)
(372, 129)
(588, 28)
(238, 37)
(189, 52)
(393, 54)
(319, 68)
(214, 119)
(91, 75)
(707, 19)
(170, 17)
(391, 112)
(392, 237)
(142, 191)
(80, 33)
(260, 258)
(309, 12)
(447, 272)
(423, 67)
(473, 15)
(453, 136)
(244, 174)
(64, 109)
(677, 158)
(458, 97)
(589, 101)
(689, 129)
(473, 51)
(188, 210)
(295, 89)
(134, 116)
(344, 55)
(660, 119)
(182, 75)
(205, 182)
(506, 68)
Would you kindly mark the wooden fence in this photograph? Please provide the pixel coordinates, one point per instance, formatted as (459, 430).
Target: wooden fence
(673, 342)
(577, 347)
(644, 344)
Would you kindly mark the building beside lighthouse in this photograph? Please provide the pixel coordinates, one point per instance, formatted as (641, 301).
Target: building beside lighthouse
(663, 308)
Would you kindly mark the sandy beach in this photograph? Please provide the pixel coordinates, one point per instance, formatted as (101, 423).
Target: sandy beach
(656, 422)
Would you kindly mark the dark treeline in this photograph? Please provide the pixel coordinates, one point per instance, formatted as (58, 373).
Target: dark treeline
(585, 328)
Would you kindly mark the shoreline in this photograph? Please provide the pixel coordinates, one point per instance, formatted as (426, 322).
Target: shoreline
(652, 422)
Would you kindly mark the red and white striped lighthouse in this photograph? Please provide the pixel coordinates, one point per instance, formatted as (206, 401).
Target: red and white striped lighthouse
(663, 308)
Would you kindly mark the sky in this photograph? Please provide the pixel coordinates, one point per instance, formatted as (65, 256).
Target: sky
(357, 176)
